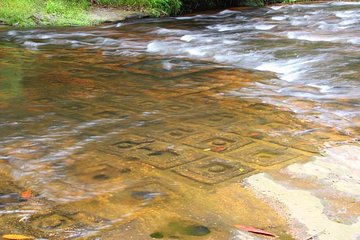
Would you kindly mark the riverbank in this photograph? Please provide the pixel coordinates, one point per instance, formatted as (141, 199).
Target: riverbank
(29, 13)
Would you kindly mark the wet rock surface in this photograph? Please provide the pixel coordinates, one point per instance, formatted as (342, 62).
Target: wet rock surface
(117, 140)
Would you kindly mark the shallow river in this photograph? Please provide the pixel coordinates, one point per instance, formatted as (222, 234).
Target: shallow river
(184, 127)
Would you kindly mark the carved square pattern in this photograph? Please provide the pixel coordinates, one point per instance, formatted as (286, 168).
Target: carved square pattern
(163, 155)
(265, 155)
(217, 141)
(122, 143)
(212, 170)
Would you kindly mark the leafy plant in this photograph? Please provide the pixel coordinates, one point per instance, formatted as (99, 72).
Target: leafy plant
(67, 12)
(42, 12)
(289, 1)
(18, 11)
(155, 7)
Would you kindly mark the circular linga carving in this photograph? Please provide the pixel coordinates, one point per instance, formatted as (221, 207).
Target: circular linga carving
(175, 108)
(105, 114)
(125, 170)
(176, 133)
(101, 177)
(216, 169)
(156, 153)
(267, 154)
(75, 107)
(196, 230)
(259, 106)
(124, 145)
(264, 156)
(215, 119)
(132, 158)
(219, 142)
(146, 104)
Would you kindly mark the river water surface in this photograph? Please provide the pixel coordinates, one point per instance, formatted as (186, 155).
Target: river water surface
(184, 127)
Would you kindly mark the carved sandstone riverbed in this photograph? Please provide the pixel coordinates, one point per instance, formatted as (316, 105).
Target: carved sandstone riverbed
(118, 143)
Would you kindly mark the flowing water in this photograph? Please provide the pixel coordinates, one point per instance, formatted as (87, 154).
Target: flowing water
(184, 127)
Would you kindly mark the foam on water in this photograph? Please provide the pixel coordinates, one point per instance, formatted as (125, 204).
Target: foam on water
(355, 41)
(264, 27)
(165, 31)
(345, 3)
(188, 38)
(289, 70)
(226, 27)
(276, 7)
(278, 18)
(315, 37)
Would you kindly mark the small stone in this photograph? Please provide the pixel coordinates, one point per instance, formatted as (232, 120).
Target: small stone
(157, 235)
(197, 230)
(132, 158)
(101, 177)
(144, 195)
(124, 145)
(218, 149)
(125, 170)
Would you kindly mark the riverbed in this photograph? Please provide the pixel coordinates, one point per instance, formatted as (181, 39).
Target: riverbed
(184, 127)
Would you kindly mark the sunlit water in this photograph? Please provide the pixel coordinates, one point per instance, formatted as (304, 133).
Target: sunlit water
(312, 49)
(138, 115)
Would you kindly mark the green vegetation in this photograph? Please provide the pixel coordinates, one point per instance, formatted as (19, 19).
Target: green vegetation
(68, 12)
(154, 7)
(194, 5)
(17, 11)
(291, 1)
(76, 12)
(40, 12)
